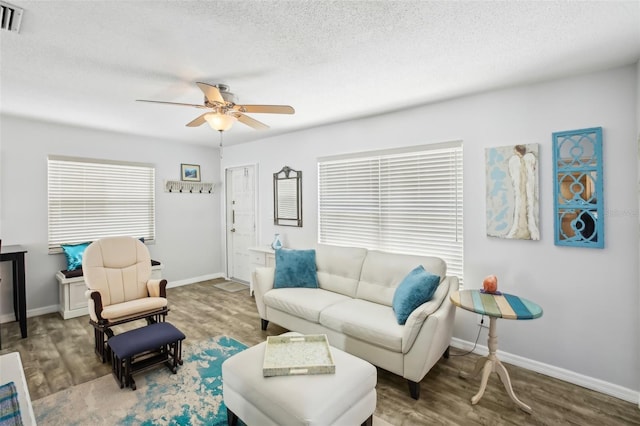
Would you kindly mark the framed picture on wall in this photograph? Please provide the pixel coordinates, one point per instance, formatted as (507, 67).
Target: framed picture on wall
(190, 172)
(512, 192)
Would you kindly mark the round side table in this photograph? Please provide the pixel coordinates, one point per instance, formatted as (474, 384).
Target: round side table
(495, 305)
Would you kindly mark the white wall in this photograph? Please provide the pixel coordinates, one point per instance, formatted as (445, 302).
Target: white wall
(187, 225)
(590, 326)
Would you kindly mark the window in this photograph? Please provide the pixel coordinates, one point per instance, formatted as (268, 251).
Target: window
(92, 199)
(405, 201)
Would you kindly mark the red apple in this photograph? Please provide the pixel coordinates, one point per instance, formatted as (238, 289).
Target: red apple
(490, 284)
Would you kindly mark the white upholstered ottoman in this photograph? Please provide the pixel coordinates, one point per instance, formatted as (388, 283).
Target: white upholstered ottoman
(347, 397)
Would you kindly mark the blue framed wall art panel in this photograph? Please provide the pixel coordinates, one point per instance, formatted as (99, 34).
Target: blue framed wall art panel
(578, 189)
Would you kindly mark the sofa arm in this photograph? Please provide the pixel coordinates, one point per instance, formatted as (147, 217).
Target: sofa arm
(416, 320)
(157, 288)
(262, 283)
(433, 338)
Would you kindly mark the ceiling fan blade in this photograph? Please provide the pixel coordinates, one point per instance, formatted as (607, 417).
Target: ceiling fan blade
(251, 122)
(267, 109)
(198, 121)
(211, 92)
(172, 103)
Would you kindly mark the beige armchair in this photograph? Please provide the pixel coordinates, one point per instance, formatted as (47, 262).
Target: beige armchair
(117, 273)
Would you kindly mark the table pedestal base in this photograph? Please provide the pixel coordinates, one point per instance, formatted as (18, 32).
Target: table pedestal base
(489, 364)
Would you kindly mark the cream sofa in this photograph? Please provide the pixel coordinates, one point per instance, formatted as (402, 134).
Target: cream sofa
(353, 307)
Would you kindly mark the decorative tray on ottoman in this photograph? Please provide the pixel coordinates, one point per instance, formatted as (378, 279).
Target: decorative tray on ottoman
(295, 355)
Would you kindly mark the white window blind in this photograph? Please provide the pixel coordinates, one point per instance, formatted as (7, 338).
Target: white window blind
(92, 199)
(407, 201)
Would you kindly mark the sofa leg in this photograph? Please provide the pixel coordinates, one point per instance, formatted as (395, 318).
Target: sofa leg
(232, 419)
(369, 421)
(414, 389)
(263, 324)
(446, 353)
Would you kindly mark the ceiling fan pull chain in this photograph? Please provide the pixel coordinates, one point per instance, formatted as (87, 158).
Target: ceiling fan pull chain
(220, 131)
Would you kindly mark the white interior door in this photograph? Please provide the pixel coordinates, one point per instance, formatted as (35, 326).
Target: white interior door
(241, 220)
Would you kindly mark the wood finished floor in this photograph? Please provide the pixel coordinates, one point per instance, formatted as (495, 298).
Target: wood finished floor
(59, 354)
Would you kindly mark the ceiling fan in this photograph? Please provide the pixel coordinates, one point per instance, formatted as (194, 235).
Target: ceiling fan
(223, 110)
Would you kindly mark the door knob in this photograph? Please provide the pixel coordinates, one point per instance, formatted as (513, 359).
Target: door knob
(233, 229)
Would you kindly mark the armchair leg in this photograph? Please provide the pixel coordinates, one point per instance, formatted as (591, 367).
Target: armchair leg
(263, 324)
(414, 389)
(100, 343)
(446, 353)
(101, 348)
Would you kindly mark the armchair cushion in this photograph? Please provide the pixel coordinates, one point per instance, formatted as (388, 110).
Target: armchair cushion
(133, 307)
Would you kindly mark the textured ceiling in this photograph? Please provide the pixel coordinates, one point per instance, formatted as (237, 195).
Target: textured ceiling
(85, 62)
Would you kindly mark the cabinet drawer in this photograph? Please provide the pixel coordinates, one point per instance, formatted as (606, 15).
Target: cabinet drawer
(258, 259)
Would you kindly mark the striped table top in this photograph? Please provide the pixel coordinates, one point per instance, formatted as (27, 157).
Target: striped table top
(496, 305)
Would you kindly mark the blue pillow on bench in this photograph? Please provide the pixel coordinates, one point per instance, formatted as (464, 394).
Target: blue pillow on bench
(414, 290)
(74, 253)
(295, 268)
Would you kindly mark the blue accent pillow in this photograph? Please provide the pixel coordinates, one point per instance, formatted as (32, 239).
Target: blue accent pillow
(295, 268)
(73, 253)
(414, 290)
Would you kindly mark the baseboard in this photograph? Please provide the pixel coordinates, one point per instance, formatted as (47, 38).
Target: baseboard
(555, 372)
(10, 317)
(193, 280)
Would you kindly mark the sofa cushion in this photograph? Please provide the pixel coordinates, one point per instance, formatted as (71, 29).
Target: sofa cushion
(366, 321)
(382, 273)
(414, 290)
(306, 303)
(339, 268)
(295, 268)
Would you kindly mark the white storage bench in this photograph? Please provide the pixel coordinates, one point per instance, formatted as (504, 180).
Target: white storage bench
(73, 302)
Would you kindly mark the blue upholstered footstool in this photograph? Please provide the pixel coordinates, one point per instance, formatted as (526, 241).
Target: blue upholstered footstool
(136, 350)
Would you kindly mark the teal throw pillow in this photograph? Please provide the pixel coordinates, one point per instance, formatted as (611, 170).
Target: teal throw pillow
(295, 268)
(74, 255)
(414, 290)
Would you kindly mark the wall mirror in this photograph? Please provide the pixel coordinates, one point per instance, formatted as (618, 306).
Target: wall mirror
(287, 197)
(578, 200)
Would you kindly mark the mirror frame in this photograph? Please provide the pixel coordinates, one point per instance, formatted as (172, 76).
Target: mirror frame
(578, 188)
(285, 176)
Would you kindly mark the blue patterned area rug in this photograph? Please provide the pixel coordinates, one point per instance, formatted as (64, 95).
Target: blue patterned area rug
(193, 396)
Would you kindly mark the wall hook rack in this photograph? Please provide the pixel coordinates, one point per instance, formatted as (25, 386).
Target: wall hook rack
(179, 186)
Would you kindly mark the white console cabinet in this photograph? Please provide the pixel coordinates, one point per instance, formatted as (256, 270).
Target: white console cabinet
(260, 256)
(73, 302)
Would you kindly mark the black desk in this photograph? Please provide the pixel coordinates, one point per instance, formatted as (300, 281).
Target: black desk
(15, 254)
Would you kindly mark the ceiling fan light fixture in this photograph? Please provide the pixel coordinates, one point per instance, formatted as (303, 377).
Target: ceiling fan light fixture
(220, 122)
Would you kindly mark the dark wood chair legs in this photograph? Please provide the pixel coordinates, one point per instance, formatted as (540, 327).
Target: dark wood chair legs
(263, 324)
(369, 421)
